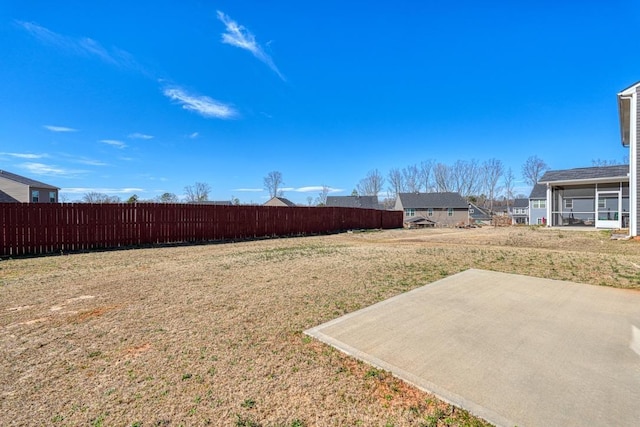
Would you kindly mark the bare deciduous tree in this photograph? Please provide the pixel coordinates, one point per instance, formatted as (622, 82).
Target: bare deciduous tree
(492, 170)
(167, 198)
(426, 168)
(95, 197)
(322, 197)
(532, 170)
(508, 182)
(273, 184)
(466, 176)
(372, 184)
(412, 179)
(396, 182)
(601, 162)
(199, 192)
(442, 178)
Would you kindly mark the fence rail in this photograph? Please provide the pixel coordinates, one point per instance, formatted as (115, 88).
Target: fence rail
(41, 228)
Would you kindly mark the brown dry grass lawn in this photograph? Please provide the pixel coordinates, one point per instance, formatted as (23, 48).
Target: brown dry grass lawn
(212, 334)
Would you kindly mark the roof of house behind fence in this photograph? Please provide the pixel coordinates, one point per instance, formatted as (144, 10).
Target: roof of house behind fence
(432, 200)
(367, 202)
(26, 181)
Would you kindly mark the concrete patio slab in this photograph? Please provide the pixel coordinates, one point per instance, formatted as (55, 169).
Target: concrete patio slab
(512, 349)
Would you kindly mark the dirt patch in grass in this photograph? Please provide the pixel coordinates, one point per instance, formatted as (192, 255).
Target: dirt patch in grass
(212, 335)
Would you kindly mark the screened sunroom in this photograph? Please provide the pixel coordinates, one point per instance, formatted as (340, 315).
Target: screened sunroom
(589, 197)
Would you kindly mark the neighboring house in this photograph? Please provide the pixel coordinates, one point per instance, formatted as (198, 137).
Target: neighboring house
(16, 188)
(479, 215)
(629, 113)
(594, 196)
(519, 211)
(279, 201)
(365, 202)
(444, 209)
(538, 205)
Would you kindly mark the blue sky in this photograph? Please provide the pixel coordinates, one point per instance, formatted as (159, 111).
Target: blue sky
(149, 97)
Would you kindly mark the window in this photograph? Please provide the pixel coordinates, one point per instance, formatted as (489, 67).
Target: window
(35, 196)
(520, 211)
(602, 202)
(568, 203)
(450, 211)
(540, 221)
(52, 196)
(430, 212)
(410, 212)
(539, 204)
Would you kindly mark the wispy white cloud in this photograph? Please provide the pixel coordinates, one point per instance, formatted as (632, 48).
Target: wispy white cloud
(91, 162)
(59, 128)
(114, 143)
(308, 189)
(83, 46)
(311, 189)
(249, 190)
(49, 170)
(138, 135)
(202, 105)
(238, 36)
(83, 190)
(194, 135)
(25, 155)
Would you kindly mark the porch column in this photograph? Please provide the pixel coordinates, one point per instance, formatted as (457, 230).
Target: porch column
(549, 203)
(633, 165)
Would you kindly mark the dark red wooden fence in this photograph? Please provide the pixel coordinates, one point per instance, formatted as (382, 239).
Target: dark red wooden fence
(40, 228)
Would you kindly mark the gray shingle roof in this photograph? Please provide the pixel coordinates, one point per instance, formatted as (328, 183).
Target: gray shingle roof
(597, 172)
(366, 202)
(539, 191)
(26, 181)
(286, 201)
(5, 198)
(278, 201)
(432, 200)
(479, 213)
(522, 203)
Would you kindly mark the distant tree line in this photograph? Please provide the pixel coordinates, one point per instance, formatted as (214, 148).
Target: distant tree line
(477, 181)
(480, 182)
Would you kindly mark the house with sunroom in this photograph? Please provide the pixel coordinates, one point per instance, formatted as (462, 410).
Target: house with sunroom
(592, 197)
(600, 197)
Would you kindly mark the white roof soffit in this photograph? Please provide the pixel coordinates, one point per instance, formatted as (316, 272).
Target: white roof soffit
(624, 111)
